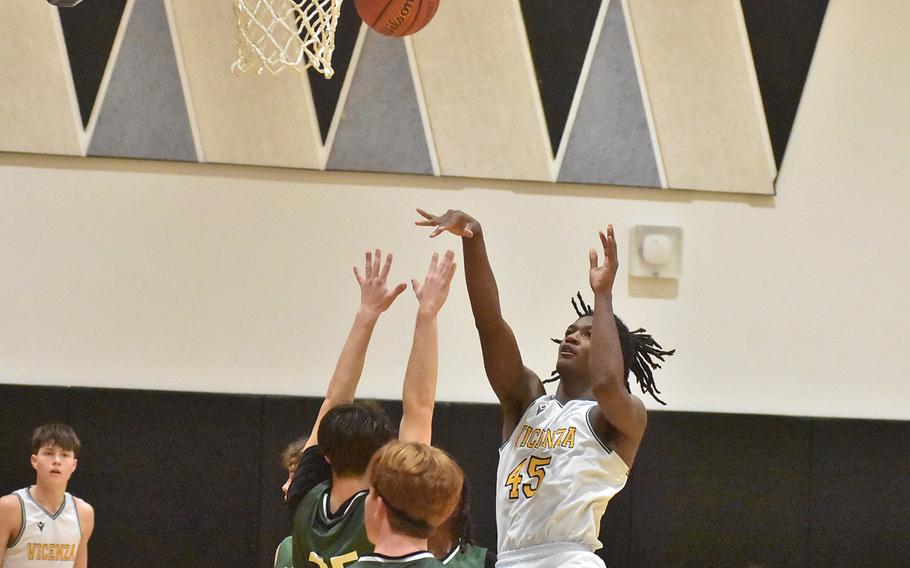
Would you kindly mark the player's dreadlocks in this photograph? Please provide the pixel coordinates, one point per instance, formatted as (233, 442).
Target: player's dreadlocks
(639, 351)
(461, 518)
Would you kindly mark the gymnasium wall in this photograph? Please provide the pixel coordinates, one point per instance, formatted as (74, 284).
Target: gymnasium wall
(193, 480)
(122, 273)
(139, 274)
(791, 309)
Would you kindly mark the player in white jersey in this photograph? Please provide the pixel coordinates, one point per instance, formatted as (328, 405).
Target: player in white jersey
(43, 525)
(563, 456)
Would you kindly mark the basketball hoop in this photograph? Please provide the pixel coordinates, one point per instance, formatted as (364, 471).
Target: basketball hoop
(273, 35)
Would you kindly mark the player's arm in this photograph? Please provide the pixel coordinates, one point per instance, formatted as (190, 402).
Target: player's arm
(419, 391)
(375, 298)
(623, 411)
(10, 522)
(514, 384)
(87, 525)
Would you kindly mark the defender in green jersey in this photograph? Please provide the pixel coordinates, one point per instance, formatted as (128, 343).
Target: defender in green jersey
(415, 560)
(451, 542)
(467, 555)
(326, 496)
(284, 554)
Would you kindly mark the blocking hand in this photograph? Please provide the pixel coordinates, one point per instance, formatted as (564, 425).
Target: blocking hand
(375, 296)
(433, 292)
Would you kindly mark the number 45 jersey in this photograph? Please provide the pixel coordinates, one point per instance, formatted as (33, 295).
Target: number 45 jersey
(555, 477)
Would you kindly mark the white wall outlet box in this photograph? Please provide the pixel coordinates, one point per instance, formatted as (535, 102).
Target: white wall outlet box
(655, 251)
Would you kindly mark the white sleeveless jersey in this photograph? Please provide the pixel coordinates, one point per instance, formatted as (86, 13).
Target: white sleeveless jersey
(555, 478)
(46, 540)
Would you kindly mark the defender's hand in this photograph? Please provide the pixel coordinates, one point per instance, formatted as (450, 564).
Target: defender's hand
(456, 222)
(433, 292)
(375, 297)
(602, 276)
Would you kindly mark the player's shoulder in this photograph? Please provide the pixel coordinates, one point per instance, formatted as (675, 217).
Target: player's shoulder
(86, 512)
(10, 504)
(11, 513)
(83, 504)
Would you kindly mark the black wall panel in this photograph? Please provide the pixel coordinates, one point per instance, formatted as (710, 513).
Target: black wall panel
(284, 419)
(861, 493)
(173, 477)
(193, 480)
(783, 36)
(22, 409)
(473, 437)
(721, 490)
(616, 529)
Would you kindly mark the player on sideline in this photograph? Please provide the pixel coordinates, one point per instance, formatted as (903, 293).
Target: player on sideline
(413, 489)
(32, 535)
(565, 456)
(327, 494)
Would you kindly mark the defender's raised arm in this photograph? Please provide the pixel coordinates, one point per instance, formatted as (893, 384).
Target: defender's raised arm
(375, 298)
(419, 390)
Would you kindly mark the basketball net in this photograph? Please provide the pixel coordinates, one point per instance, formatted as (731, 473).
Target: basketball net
(276, 34)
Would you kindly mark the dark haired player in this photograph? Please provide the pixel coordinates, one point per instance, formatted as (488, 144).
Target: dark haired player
(327, 493)
(43, 525)
(563, 456)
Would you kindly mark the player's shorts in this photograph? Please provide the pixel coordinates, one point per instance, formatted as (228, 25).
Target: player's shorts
(561, 554)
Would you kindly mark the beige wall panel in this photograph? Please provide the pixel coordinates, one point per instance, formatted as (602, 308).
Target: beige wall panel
(481, 98)
(246, 119)
(37, 107)
(707, 114)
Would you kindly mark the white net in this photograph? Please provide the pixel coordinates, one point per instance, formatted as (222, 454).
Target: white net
(276, 34)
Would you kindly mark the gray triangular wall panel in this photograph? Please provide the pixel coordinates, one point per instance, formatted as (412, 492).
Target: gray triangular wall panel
(144, 111)
(381, 129)
(610, 141)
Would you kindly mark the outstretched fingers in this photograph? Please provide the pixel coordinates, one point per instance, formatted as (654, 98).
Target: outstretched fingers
(368, 265)
(377, 261)
(448, 264)
(609, 242)
(428, 218)
(386, 267)
(454, 222)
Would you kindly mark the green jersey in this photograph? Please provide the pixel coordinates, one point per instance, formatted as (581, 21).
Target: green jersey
(469, 556)
(326, 540)
(422, 559)
(284, 554)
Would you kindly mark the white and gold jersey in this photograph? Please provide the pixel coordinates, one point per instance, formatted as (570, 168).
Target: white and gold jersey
(46, 540)
(555, 478)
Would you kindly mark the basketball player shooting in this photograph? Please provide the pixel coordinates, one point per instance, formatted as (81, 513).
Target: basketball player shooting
(564, 456)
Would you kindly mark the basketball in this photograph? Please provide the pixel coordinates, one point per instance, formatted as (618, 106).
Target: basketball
(396, 18)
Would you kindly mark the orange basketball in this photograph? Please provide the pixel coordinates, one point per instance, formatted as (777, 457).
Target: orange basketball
(396, 18)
